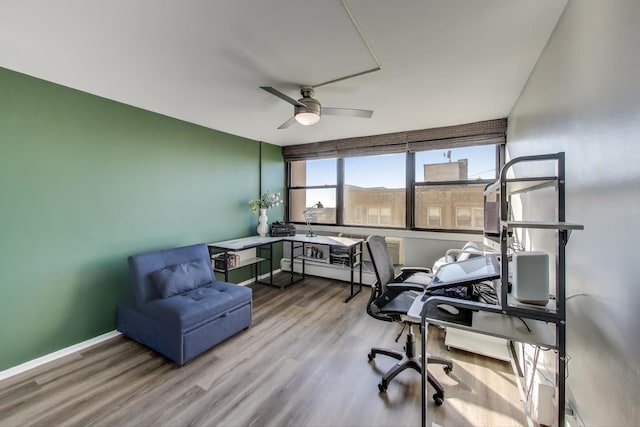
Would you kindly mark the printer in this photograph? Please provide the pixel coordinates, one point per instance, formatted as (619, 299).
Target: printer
(279, 229)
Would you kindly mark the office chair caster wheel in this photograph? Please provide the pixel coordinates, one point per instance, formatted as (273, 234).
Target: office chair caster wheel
(437, 400)
(447, 370)
(383, 386)
(371, 356)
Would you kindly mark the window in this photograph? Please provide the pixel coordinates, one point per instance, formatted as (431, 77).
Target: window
(310, 182)
(477, 216)
(376, 184)
(449, 186)
(434, 216)
(372, 216)
(385, 216)
(428, 179)
(463, 217)
(359, 213)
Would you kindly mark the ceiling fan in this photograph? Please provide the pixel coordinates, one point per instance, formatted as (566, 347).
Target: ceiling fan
(307, 110)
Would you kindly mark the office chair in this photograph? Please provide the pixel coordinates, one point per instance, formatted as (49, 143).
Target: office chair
(391, 298)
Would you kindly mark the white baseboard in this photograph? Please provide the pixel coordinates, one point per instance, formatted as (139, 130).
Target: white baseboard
(56, 355)
(81, 346)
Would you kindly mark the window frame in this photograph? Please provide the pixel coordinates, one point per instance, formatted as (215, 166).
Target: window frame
(289, 188)
(378, 225)
(411, 188)
(489, 132)
(499, 162)
(439, 208)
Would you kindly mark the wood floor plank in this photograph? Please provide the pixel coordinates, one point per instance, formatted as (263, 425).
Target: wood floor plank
(303, 362)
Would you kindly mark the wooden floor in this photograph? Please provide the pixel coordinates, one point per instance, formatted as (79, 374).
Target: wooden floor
(303, 362)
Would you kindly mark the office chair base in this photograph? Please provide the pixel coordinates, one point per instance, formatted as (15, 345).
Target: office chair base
(414, 363)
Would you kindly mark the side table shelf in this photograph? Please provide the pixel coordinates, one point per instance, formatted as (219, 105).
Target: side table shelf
(243, 263)
(262, 246)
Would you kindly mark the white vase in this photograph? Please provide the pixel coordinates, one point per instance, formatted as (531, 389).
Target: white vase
(263, 229)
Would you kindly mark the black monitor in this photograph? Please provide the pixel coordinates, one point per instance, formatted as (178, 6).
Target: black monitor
(468, 272)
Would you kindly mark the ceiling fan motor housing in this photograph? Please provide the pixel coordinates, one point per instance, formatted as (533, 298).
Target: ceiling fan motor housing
(312, 105)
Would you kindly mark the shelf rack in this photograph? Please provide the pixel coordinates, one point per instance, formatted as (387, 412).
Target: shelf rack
(543, 326)
(554, 312)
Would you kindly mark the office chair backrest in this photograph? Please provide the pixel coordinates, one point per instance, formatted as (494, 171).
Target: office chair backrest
(383, 267)
(382, 262)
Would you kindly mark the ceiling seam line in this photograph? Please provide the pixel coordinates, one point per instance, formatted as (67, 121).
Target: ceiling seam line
(367, 44)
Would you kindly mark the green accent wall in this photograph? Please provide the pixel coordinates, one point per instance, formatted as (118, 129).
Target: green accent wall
(84, 183)
(272, 179)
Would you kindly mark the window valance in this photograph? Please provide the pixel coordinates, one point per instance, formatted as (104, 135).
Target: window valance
(478, 133)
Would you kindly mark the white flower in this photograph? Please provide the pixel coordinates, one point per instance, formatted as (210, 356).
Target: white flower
(266, 201)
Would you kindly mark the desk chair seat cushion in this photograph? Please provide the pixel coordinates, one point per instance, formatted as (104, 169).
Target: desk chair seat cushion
(399, 306)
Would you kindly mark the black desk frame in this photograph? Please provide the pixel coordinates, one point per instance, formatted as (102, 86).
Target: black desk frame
(354, 260)
(264, 252)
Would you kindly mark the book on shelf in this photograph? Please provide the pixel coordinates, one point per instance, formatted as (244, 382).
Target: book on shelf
(340, 259)
(232, 261)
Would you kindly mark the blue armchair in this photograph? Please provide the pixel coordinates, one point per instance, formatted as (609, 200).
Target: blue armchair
(178, 307)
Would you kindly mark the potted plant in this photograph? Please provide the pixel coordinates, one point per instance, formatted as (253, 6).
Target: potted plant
(267, 200)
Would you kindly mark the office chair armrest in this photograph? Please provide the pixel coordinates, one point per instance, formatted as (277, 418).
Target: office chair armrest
(406, 286)
(415, 269)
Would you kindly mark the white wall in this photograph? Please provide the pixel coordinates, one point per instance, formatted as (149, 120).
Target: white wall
(583, 98)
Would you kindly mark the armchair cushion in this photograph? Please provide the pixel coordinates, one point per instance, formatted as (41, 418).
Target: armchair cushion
(198, 305)
(180, 278)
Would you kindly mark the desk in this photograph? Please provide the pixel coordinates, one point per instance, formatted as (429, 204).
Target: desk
(264, 246)
(488, 320)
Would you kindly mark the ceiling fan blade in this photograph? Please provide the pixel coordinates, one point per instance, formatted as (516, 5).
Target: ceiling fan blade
(288, 123)
(353, 112)
(282, 96)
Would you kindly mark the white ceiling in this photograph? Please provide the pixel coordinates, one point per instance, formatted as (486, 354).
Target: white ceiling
(444, 62)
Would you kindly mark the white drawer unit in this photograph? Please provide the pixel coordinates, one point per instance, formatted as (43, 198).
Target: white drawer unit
(484, 345)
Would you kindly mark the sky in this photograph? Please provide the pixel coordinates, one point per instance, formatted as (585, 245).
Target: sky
(388, 170)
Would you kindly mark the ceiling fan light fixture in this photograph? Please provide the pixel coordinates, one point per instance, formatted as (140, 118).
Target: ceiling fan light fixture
(307, 118)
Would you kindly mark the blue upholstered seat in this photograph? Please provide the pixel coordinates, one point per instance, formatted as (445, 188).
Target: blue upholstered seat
(198, 305)
(178, 308)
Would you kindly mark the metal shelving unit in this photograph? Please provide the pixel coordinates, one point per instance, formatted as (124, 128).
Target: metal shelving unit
(542, 326)
(554, 312)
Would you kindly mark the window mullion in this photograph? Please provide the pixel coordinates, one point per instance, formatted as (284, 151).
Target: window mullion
(410, 190)
(340, 192)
